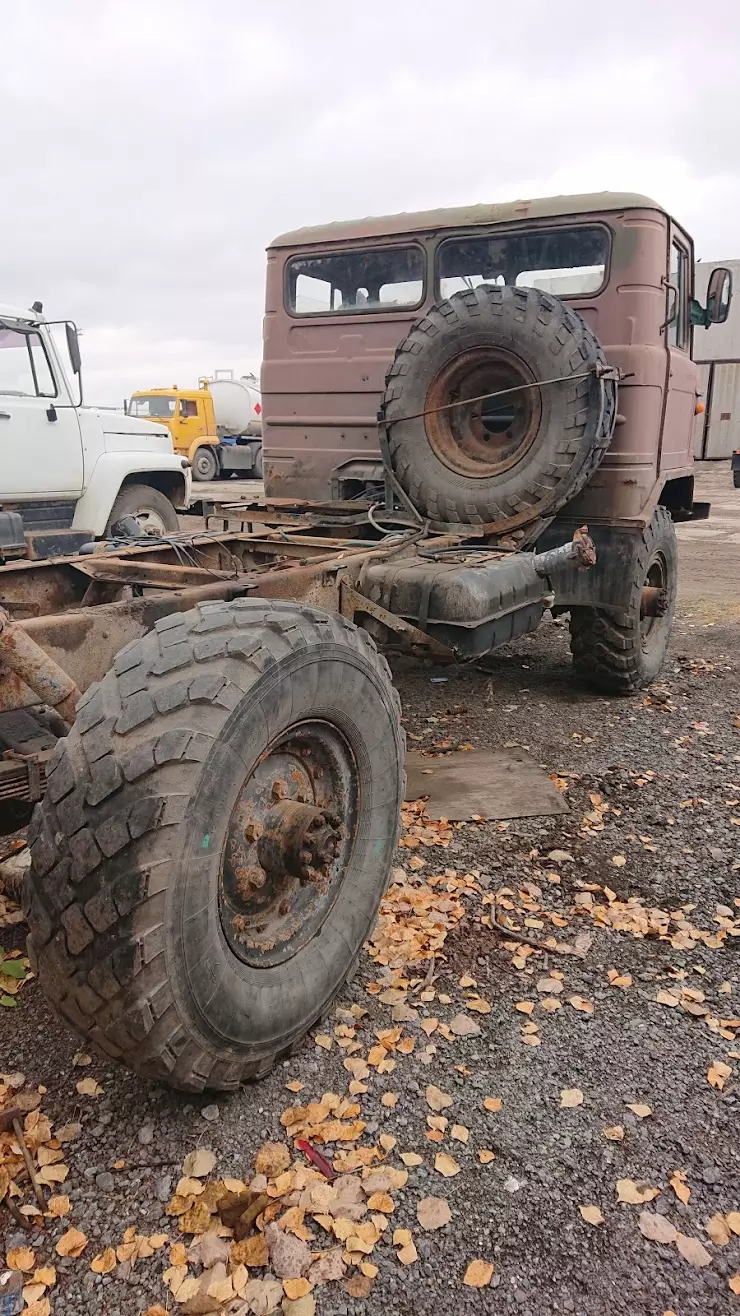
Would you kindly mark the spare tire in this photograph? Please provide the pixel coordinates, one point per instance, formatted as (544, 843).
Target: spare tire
(513, 458)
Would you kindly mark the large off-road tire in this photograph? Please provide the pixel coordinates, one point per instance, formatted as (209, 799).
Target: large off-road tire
(155, 929)
(206, 464)
(622, 652)
(513, 459)
(149, 507)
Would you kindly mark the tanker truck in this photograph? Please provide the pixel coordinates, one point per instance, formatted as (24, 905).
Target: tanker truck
(217, 426)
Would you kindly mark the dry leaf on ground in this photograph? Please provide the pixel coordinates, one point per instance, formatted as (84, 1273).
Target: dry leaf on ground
(693, 1250)
(433, 1212)
(634, 1193)
(297, 1288)
(734, 1283)
(718, 1074)
(72, 1244)
(199, 1163)
(446, 1165)
(411, 1158)
(639, 1109)
(485, 1156)
(680, 1186)
(478, 1274)
(656, 1227)
(718, 1230)
(580, 1003)
(437, 1099)
(493, 1103)
(463, 1026)
(615, 1132)
(592, 1215)
(570, 1097)
(104, 1262)
(58, 1206)
(21, 1258)
(88, 1087)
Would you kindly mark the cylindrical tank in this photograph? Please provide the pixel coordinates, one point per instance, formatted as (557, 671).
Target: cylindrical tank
(237, 405)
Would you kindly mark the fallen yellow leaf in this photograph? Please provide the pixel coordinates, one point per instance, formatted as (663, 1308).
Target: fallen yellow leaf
(524, 1007)
(296, 1288)
(437, 1099)
(324, 1040)
(478, 1274)
(638, 1109)
(570, 1097)
(693, 1250)
(446, 1165)
(592, 1215)
(72, 1244)
(619, 860)
(21, 1258)
(615, 1132)
(58, 1206)
(636, 1194)
(485, 1156)
(493, 1103)
(718, 1230)
(734, 1283)
(680, 1187)
(88, 1087)
(104, 1263)
(718, 1074)
(411, 1158)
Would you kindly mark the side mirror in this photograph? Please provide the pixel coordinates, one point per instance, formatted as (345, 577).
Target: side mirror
(719, 295)
(73, 347)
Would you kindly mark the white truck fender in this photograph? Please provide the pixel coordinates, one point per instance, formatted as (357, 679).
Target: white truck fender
(168, 472)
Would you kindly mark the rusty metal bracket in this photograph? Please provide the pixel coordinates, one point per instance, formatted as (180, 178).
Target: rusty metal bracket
(351, 602)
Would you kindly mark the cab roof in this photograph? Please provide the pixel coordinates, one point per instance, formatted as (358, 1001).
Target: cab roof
(502, 212)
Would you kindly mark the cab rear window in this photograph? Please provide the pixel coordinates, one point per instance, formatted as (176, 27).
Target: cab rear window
(350, 282)
(568, 262)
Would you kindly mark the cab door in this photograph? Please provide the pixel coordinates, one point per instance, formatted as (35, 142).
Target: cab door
(40, 439)
(191, 422)
(682, 375)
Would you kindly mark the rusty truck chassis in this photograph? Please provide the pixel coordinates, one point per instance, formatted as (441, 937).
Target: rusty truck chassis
(62, 621)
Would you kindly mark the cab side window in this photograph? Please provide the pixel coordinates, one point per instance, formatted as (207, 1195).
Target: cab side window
(188, 408)
(678, 298)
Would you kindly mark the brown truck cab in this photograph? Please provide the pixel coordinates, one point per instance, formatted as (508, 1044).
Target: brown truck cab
(518, 368)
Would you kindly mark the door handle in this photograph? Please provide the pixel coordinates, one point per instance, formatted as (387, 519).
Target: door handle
(4, 415)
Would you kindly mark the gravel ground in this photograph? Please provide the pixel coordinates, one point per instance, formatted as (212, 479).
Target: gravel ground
(666, 764)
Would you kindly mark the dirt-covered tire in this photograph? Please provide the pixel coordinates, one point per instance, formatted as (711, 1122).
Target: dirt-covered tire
(258, 466)
(622, 652)
(511, 460)
(133, 886)
(150, 507)
(205, 464)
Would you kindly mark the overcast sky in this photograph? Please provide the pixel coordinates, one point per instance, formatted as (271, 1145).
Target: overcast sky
(150, 151)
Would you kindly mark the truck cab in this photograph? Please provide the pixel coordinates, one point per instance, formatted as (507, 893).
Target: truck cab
(69, 468)
(216, 426)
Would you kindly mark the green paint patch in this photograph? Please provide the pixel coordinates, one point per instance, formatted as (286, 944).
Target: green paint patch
(205, 843)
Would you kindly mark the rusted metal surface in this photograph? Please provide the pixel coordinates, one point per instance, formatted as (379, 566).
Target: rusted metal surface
(288, 844)
(352, 603)
(299, 839)
(33, 665)
(653, 601)
(579, 552)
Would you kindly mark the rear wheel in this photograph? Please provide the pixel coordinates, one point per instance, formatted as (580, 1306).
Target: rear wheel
(205, 464)
(149, 508)
(620, 653)
(258, 468)
(217, 833)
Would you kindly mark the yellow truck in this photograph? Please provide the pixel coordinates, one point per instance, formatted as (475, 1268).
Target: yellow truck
(217, 426)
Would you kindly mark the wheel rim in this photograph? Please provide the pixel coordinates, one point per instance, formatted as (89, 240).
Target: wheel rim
(205, 465)
(149, 521)
(653, 624)
(288, 844)
(481, 439)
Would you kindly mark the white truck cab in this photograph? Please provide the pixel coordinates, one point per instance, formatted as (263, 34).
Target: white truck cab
(69, 468)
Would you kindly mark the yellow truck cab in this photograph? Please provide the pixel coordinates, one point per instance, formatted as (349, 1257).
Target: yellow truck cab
(217, 426)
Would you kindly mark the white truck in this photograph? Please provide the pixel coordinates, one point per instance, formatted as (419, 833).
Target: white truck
(71, 472)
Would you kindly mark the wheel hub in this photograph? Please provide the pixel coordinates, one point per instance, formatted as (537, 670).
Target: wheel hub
(301, 840)
(483, 438)
(288, 844)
